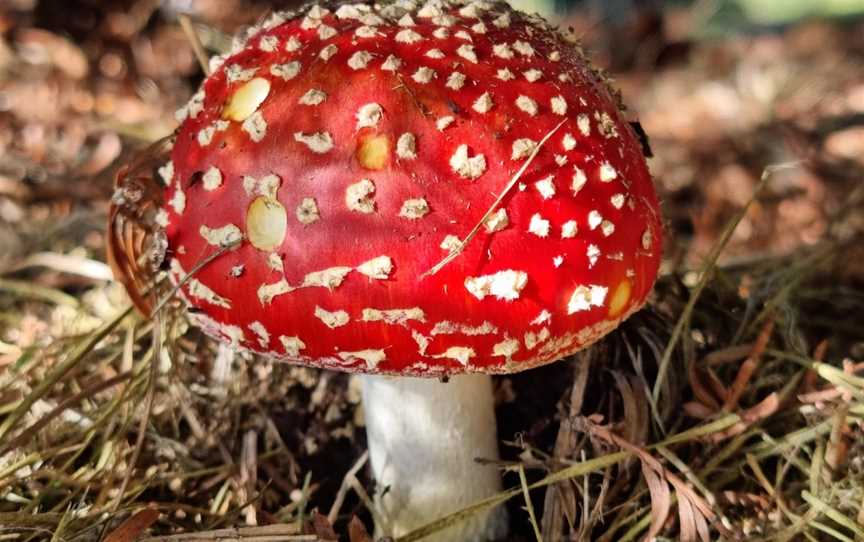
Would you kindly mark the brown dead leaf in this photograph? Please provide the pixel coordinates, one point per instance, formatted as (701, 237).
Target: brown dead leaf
(320, 527)
(131, 529)
(661, 500)
(357, 531)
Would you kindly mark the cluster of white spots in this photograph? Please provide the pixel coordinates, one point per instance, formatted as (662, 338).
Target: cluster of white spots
(497, 221)
(606, 125)
(359, 60)
(319, 142)
(455, 81)
(467, 168)
(607, 172)
(607, 227)
(579, 180)
(166, 172)
(557, 261)
(447, 327)
(307, 211)
(366, 32)
(199, 290)
(391, 64)
(430, 9)
(441, 33)
(212, 179)
(263, 335)
(647, 239)
(483, 104)
(523, 48)
(506, 285)
(546, 187)
(266, 186)
(532, 75)
(585, 297)
(561, 160)
(538, 225)
(326, 32)
(178, 201)
(205, 135)
(594, 219)
(274, 262)
(617, 200)
(569, 229)
(393, 316)
(329, 278)
(462, 354)
(267, 292)
(451, 243)
(235, 73)
(443, 122)
(406, 146)
(408, 36)
(368, 115)
(584, 124)
(479, 28)
(293, 44)
(544, 317)
(532, 338)
(423, 75)
(286, 71)
(593, 252)
(502, 50)
(237, 270)
(358, 196)
(377, 268)
(527, 105)
(313, 97)
(502, 21)
(328, 52)
(331, 319)
(522, 148)
(255, 126)
(370, 357)
(568, 142)
(436, 54)
(506, 348)
(559, 105)
(463, 35)
(406, 21)
(192, 108)
(554, 56)
(292, 345)
(414, 209)
(505, 75)
(467, 52)
(421, 340)
(226, 236)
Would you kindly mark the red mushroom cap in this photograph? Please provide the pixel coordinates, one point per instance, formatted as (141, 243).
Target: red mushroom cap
(342, 153)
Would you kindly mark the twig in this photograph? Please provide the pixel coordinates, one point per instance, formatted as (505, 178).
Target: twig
(464, 242)
(195, 42)
(343, 489)
(528, 505)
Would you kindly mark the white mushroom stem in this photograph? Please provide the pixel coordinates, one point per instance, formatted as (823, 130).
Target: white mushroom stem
(423, 438)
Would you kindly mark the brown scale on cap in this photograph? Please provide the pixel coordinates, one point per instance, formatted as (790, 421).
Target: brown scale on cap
(338, 149)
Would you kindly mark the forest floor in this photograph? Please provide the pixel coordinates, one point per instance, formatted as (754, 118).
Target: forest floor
(734, 401)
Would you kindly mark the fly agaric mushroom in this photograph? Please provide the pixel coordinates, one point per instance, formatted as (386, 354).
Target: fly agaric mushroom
(407, 191)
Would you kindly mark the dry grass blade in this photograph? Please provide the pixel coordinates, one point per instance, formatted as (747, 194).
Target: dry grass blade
(661, 501)
(706, 272)
(507, 189)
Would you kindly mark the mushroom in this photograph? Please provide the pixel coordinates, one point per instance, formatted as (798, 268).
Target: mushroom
(413, 192)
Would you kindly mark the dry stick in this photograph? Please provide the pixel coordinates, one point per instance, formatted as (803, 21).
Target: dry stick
(463, 243)
(343, 489)
(195, 42)
(710, 264)
(748, 368)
